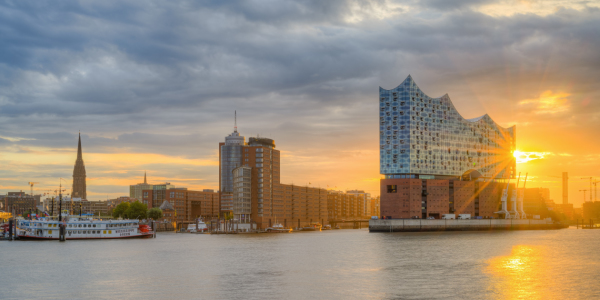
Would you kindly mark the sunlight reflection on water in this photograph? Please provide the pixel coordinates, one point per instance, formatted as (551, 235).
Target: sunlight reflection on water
(342, 264)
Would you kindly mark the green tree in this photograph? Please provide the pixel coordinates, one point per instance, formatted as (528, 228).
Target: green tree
(136, 210)
(120, 210)
(155, 213)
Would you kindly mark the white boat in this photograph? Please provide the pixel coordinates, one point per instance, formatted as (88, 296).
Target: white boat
(278, 228)
(201, 227)
(82, 228)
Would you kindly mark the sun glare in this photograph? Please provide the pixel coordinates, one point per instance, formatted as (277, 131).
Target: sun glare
(523, 157)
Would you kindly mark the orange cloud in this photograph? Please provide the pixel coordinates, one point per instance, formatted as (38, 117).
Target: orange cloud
(549, 103)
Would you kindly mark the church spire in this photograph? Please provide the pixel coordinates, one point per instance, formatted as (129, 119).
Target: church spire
(79, 148)
(145, 178)
(79, 177)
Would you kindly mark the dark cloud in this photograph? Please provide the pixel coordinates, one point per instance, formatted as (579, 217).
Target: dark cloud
(451, 5)
(144, 76)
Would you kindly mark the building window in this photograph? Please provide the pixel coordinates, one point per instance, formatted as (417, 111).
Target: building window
(392, 189)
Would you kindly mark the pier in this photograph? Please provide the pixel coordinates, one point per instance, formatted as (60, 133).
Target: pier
(416, 225)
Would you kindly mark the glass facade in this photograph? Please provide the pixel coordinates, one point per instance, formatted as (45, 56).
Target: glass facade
(420, 135)
(242, 193)
(231, 158)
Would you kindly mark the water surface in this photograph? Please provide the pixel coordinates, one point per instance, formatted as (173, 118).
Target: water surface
(338, 264)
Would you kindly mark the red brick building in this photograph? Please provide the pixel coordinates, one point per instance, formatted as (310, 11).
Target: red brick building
(188, 204)
(424, 198)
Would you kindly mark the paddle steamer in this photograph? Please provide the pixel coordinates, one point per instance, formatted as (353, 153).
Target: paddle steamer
(82, 228)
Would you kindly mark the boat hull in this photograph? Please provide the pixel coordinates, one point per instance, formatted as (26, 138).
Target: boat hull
(141, 236)
(278, 230)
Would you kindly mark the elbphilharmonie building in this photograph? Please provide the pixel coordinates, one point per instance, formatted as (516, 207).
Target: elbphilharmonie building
(427, 138)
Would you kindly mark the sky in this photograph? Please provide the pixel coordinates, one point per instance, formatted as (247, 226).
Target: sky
(153, 85)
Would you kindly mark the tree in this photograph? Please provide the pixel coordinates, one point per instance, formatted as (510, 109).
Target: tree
(120, 210)
(155, 213)
(136, 210)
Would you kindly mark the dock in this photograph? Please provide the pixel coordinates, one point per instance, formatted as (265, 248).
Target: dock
(417, 225)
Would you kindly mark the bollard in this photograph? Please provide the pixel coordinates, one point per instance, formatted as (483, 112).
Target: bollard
(10, 230)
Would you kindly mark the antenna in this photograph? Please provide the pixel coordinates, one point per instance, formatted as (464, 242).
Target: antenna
(235, 120)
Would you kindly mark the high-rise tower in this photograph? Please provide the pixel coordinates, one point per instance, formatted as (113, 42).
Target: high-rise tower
(230, 157)
(79, 187)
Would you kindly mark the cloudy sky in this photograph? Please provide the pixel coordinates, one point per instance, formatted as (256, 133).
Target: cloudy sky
(153, 85)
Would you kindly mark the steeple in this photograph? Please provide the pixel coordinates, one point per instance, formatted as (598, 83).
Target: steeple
(79, 148)
(145, 178)
(79, 176)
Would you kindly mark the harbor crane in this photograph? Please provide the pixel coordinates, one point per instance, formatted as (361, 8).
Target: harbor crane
(590, 178)
(521, 197)
(31, 184)
(504, 202)
(514, 213)
(584, 194)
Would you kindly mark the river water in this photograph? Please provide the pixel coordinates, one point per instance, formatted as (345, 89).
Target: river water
(337, 264)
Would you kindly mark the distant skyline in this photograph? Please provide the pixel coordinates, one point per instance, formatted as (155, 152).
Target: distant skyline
(153, 87)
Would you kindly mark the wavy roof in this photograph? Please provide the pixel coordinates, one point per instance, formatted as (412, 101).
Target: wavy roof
(410, 82)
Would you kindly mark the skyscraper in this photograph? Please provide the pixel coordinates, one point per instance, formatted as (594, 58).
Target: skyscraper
(230, 157)
(79, 186)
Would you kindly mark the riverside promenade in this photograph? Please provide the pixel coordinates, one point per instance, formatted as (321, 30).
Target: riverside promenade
(415, 225)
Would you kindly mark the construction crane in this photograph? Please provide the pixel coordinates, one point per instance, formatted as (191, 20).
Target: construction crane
(595, 190)
(584, 194)
(590, 178)
(31, 186)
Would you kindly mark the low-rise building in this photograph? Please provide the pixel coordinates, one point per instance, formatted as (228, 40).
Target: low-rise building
(76, 206)
(591, 210)
(188, 204)
(19, 202)
(353, 204)
(375, 207)
(112, 203)
(169, 212)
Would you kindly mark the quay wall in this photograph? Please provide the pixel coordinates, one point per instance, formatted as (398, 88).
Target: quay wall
(413, 225)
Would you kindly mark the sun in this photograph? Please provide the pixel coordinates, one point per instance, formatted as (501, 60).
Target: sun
(523, 157)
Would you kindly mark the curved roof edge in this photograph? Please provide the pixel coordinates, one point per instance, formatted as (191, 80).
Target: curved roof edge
(472, 120)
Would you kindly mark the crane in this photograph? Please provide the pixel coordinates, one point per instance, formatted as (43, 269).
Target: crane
(583, 194)
(589, 189)
(31, 186)
(595, 190)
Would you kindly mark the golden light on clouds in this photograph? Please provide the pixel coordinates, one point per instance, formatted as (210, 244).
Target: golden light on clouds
(523, 157)
(540, 8)
(549, 103)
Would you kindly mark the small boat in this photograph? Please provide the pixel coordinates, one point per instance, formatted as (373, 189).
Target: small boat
(198, 227)
(312, 227)
(278, 228)
(326, 227)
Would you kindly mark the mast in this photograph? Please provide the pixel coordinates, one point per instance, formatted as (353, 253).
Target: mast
(60, 202)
